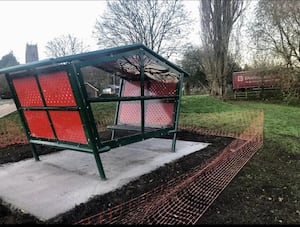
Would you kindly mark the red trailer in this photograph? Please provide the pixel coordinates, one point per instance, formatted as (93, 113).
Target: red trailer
(247, 80)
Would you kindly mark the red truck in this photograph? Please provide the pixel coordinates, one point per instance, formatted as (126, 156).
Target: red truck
(247, 80)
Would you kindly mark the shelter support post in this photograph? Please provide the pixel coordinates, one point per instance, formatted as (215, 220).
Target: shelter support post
(34, 153)
(99, 164)
(117, 108)
(142, 92)
(177, 110)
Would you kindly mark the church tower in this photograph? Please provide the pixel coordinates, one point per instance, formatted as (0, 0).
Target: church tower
(31, 53)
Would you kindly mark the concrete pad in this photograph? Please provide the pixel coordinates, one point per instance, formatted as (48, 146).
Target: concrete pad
(64, 179)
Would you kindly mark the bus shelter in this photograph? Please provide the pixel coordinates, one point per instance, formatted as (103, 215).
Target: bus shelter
(56, 108)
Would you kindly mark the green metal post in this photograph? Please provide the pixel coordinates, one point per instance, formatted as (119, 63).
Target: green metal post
(86, 115)
(117, 108)
(142, 92)
(34, 153)
(99, 163)
(177, 109)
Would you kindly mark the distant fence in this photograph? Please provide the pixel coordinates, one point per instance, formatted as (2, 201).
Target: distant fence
(260, 94)
(184, 200)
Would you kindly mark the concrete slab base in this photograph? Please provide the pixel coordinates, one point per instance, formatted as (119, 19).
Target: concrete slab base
(64, 179)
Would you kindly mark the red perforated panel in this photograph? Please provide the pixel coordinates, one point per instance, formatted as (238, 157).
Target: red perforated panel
(68, 126)
(57, 89)
(159, 114)
(132, 88)
(154, 88)
(130, 113)
(27, 91)
(159, 88)
(38, 124)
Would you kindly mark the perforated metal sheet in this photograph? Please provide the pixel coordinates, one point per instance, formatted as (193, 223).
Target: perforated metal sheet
(132, 88)
(130, 113)
(159, 88)
(56, 89)
(68, 126)
(39, 124)
(152, 88)
(27, 91)
(158, 113)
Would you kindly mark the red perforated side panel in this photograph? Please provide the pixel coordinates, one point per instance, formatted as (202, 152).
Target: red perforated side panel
(160, 114)
(157, 113)
(38, 124)
(155, 88)
(159, 88)
(132, 88)
(68, 126)
(27, 91)
(130, 112)
(57, 89)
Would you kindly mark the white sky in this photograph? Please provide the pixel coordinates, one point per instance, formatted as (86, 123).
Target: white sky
(37, 22)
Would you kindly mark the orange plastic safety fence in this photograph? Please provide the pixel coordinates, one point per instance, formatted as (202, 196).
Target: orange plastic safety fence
(183, 200)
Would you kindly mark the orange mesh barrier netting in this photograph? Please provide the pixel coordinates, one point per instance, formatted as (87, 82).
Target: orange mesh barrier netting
(184, 199)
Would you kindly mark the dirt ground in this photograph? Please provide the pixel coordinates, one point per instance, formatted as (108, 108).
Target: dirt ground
(135, 188)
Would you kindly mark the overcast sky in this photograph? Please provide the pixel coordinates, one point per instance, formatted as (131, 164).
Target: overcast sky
(37, 22)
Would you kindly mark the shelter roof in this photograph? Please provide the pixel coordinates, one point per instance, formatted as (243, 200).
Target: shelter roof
(124, 61)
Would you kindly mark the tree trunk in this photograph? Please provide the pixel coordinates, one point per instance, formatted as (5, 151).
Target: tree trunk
(218, 17)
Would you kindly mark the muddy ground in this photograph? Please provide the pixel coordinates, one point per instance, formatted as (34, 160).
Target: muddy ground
(135, 188)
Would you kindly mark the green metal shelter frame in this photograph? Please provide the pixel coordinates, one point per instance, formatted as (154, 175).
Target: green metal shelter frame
(55, 108)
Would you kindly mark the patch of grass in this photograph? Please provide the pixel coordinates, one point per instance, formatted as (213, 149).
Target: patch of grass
(225, 121)
(205, 104)
(104, 112)
(104, 107)
(279, 119)
(281, 123)
(12, 119)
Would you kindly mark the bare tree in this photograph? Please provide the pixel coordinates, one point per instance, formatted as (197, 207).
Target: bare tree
(276, 34)
(195, 60)
(65, 45)
(161, 25)
(217, 20)
(276, 30)
(192, 61)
